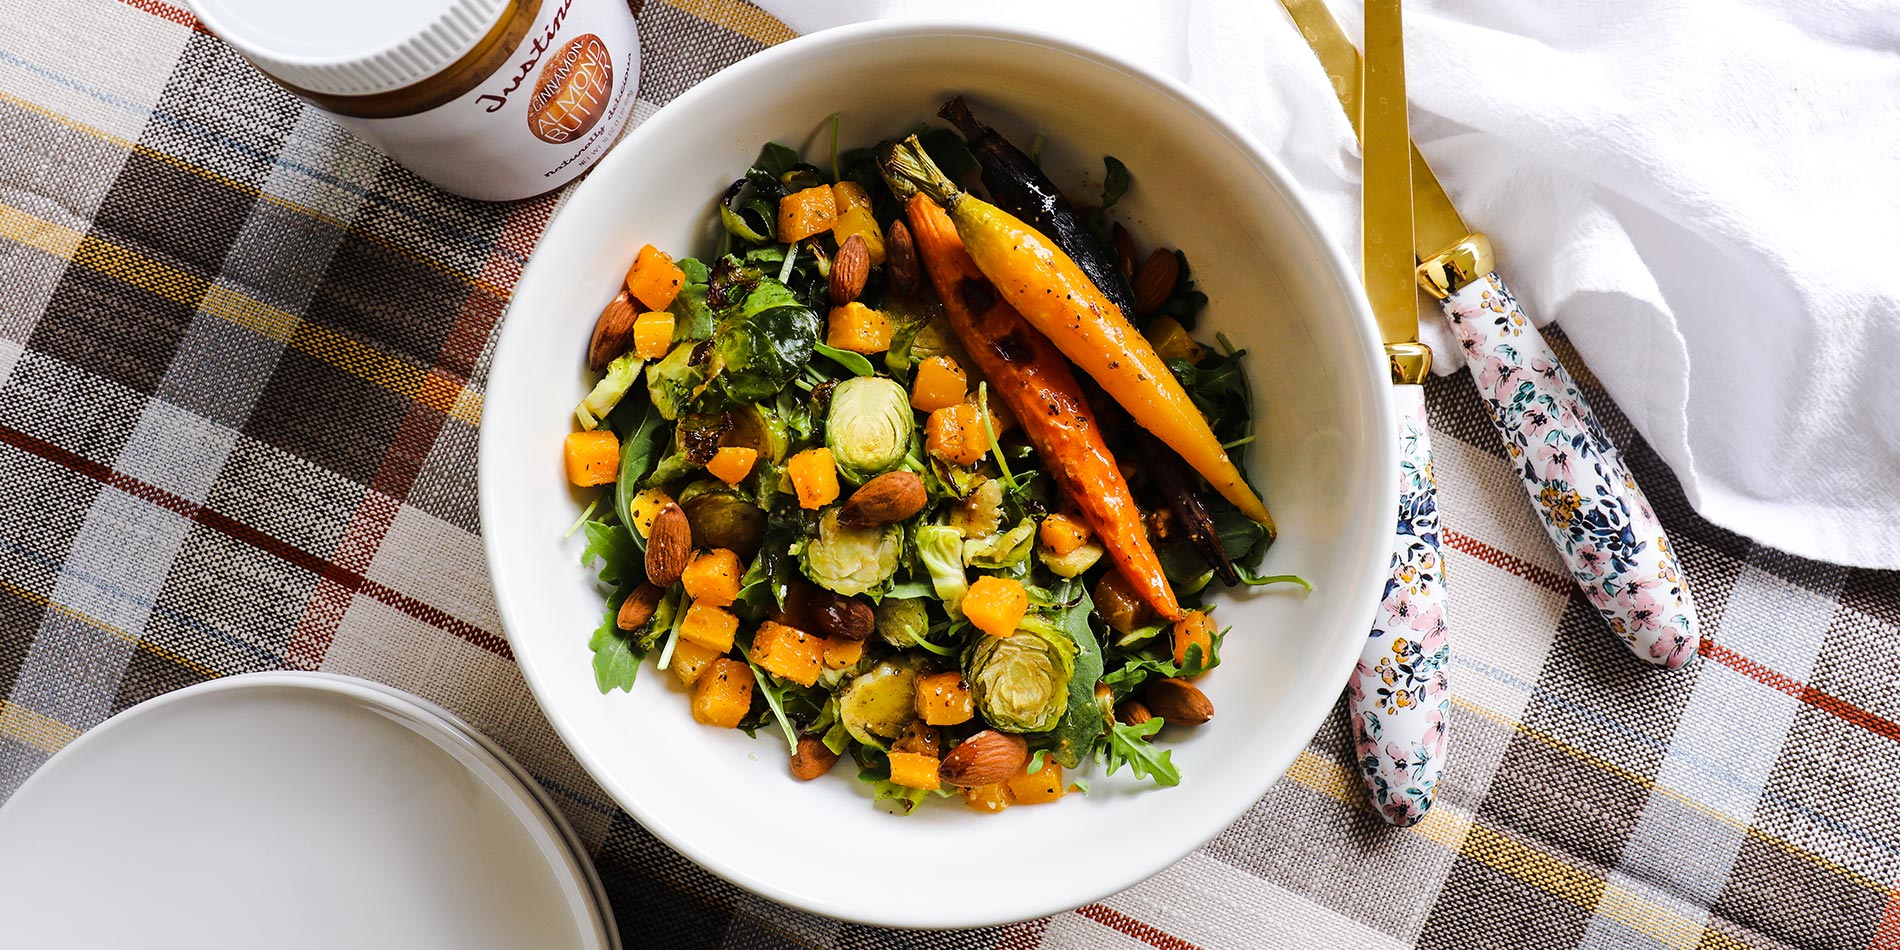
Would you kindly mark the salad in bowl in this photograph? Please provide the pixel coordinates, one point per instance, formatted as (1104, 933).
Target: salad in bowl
(919, 464)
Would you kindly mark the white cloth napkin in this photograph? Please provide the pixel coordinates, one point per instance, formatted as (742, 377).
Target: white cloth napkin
(1704, 193)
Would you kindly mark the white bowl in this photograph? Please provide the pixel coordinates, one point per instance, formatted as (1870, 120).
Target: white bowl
(1324, 458)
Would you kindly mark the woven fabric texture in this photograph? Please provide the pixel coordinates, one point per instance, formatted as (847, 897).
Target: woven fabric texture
(241, 371)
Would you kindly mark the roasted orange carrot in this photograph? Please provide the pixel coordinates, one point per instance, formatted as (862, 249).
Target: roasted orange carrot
(1047, 288)
(1035, 381)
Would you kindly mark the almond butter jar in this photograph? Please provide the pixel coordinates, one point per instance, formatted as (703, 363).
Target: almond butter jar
(492, 99)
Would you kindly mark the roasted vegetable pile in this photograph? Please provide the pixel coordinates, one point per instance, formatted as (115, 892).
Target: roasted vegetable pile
(854, 490)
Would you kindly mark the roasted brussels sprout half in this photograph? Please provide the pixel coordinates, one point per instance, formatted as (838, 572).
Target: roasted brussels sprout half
(1021, 682)
(672, 381)
(980, 512)
(758, 347)
(754, 426)
(606, 394)
(722, 518)
(868, 427)
(851, 561)
(941, 549)
(1073, 563)
(902, 623)
(877, 705)
(998, 551)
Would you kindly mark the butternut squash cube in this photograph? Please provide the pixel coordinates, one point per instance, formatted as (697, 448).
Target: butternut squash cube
(841, 653)
(995, 605)
(723, 693)
(919, 739)
(854, 216)
(858, 328)
(914, 771)
(939, 384)
(654, 279)
(990, 798)
(646, 506)
(802, 214)
(814, 476)
(710, 627)
(1044, 786)
(689, 660)
(1195, 629)
(653, 334)
(593, 458)
(943, 699)
(732, 463)
(713, 578)
(955, 434)
(1171, 340)
(1062, 534)
(788, 652)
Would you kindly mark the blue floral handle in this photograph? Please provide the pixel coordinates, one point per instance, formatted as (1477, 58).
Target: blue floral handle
(1400, 693)
(1600, 521)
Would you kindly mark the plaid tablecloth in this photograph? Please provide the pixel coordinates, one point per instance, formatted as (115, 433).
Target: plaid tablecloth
(241, 371)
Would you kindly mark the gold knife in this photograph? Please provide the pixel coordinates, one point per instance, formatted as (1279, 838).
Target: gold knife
(1600, 521)
(1399, 694)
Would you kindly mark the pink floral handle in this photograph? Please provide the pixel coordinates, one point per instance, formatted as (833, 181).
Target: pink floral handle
(1400, 693)
(1598, 518)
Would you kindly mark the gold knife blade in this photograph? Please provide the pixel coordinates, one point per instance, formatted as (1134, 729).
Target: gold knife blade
(1435, 223)
(1391, 273)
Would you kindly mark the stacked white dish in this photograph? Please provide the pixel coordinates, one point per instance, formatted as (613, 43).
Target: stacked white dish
(292, 810)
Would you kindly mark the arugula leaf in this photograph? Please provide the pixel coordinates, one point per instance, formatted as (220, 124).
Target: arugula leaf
(1126, 746)
(1115, 182)
(640, 449)
(776, 160)
(775, 700)
(692, 315)
(616, 659)
(622, 560)
(852, 361)
(1138, 670)
(1036, 762)
(1251, 580)
(1082, 722)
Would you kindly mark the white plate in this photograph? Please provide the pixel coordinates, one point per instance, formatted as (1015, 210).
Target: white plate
(1324, 456)
(557, 823)
(291, 811)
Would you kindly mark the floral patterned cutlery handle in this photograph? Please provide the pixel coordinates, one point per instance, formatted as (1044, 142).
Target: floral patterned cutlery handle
(1600, 521)
(1400, 694)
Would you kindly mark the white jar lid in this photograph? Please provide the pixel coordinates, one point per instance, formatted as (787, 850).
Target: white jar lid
(351, 47)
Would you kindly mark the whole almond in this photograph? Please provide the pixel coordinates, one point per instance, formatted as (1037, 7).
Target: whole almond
(1178, 701)
(613, 332)
(1124, 250)
(1133, 712)
(1154, 282)
(839, 616)
(849, 270)
(886, 499)
(638, 608)
(669, 546)
(900, 258)
(812, 759)
(984, 758)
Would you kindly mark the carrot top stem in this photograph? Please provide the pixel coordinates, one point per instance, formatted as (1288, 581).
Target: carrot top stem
(907, 169)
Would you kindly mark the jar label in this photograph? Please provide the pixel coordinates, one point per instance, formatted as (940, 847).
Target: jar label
(573, 90)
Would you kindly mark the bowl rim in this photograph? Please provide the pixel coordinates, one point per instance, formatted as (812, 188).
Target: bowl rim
(1337, 267)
